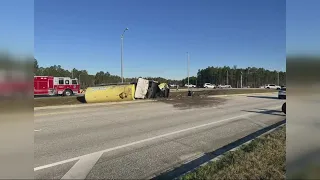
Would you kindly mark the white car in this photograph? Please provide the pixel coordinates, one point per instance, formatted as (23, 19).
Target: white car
(190, 85)
(272, 86)
(208, 85)
(282, 93)
(224, 86)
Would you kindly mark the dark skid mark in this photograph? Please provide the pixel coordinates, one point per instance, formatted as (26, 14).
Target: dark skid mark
(264, 97)
(267, 111)
(192, 165)
(187, 102)
(81, 99)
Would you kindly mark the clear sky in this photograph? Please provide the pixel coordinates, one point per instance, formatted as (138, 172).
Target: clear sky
(303, 27)
(17, 26)
(85, 34)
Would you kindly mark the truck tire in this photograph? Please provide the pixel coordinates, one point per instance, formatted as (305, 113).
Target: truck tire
(284, 108)
(67, 92)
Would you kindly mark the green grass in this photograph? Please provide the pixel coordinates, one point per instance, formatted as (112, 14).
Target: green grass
(55, 101)
(262, 158)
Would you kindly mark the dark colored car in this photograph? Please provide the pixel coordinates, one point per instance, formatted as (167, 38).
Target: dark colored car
(282, 93)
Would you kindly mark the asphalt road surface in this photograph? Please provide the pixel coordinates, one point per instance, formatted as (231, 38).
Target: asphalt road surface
(142, 140)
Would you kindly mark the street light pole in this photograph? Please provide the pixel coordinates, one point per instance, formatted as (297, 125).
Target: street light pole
(122, 36)
(241, 80)
(79, 79)
(188, 67)
(227, 78)
(278, 79)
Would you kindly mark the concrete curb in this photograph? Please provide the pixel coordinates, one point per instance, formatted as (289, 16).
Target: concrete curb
(92, 105)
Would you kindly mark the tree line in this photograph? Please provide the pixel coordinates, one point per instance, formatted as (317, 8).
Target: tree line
(251, 76)
(86, 79)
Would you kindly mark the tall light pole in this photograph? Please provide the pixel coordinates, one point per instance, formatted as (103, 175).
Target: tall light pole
(121, 53)
(80, 79)
(241, 80)
(278, 79)
(72, 73)
(188, 67)
(248, 76)
(227, 78)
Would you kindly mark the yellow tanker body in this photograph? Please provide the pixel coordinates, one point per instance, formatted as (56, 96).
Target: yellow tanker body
(110, 93)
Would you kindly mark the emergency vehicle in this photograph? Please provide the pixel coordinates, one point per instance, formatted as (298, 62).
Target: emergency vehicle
(14, 83)
(49, 85)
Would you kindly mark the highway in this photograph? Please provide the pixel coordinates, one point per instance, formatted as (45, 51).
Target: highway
(171, 90)
(143, 140)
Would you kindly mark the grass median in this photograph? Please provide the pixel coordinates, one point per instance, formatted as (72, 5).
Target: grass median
(262, 158)
(56, 101)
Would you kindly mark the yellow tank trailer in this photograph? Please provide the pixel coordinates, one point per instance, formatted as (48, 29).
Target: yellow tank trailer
(110, 93)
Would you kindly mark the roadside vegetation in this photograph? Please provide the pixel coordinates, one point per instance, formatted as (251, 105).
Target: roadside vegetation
(263, 158)
(252, 76)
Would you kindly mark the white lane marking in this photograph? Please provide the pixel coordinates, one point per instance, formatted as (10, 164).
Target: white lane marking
(145, 140)
(82, 168)
(37, 130)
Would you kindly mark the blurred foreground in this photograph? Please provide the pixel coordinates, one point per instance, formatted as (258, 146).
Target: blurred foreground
(16, 119)
(303, 147)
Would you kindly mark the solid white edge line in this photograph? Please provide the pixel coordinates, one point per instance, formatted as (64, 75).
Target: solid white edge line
(142, 141)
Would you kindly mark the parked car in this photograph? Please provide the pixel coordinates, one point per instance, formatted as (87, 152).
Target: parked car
(272, 86)
(282, 93)
(190, 85)
(172, 85)
(224, 86)
(208, 85)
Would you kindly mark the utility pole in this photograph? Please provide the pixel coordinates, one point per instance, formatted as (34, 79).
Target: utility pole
(79, 79)
(188, 68)
(278, 79)
(248, 76)
(122, 53)
(227, 79)
(241, 80)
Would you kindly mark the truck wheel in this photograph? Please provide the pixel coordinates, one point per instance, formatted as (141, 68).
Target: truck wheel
(284, 108)
(67, 92)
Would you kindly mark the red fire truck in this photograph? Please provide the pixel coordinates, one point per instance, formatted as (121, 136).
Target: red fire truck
(49, 85)
(14, 83)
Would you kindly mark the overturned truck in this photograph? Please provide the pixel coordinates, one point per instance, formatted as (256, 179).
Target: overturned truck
(143, 89)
